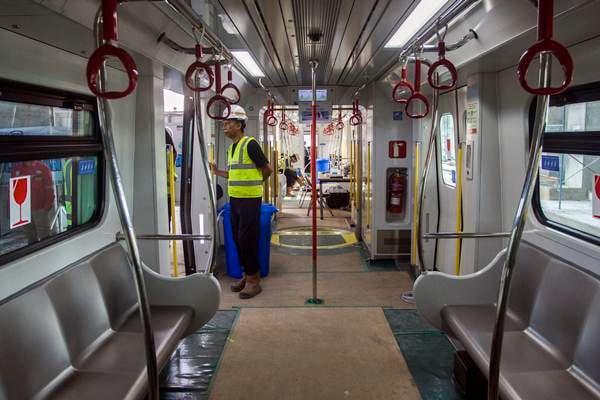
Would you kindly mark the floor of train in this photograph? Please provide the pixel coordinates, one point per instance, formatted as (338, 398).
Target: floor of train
(363, 342)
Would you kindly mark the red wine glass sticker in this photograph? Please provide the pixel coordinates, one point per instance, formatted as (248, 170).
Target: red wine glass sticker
(20, 201)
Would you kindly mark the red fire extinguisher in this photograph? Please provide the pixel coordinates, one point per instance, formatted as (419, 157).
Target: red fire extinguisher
(396, 189)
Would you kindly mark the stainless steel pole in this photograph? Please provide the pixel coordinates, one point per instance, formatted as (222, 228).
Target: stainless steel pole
(209, 179)
(430, 152)
(110, 153)
(535, 154)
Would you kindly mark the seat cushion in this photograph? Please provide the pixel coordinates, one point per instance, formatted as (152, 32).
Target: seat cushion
(120, 357)
(522, 351)
(548, 385)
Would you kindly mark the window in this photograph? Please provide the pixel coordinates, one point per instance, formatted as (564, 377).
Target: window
(51, 168)
(566, 194)
(448, 149)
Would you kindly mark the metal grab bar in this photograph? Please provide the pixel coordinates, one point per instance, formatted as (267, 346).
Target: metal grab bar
(426, 168)
(208, 177)
(158, 236)
(464, 235)
(110, 153)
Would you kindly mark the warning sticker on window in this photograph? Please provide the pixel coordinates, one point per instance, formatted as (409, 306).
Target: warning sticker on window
(20, 201)
(472, 118)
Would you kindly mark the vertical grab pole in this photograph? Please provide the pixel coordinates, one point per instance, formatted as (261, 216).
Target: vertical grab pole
(313, 172)
(171, 177)
(110, 153)
(535, 154)
(426, 168)
(459, 171)
(208, 176)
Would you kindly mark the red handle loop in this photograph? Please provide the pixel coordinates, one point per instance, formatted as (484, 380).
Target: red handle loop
(96, 62)
(442, 63)
(402, 86)
(546, 44)
(196, 68)
(356, 119)
(218, 99)
(339, 126)
(283, 126)
(232, 87)
(271, 120)
(417, 95)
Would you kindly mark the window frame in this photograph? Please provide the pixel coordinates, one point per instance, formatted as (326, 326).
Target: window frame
(584, 142)
(39, 147)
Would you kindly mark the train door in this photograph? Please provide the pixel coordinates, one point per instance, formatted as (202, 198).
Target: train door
(447, 145)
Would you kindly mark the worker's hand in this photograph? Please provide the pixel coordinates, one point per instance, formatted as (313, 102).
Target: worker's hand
(213, 168)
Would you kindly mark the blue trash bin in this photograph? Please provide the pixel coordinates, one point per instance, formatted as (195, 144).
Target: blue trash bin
(322, 165)
(234, 269)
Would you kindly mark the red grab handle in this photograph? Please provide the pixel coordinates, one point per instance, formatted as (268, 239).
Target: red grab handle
(546, 44)
(231, 86)
(283, 125)
(403, 85)
(271, 120)
(218, 99)
(102, 53)
(442, 63)
(356, 118)
(417, 95)
(198, 67)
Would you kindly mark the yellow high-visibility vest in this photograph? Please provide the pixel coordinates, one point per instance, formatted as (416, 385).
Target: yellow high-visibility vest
(245, 179)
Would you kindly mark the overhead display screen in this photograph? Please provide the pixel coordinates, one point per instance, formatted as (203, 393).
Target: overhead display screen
(306, 94)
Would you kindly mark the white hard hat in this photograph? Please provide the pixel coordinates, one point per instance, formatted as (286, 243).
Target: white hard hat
(236, 112)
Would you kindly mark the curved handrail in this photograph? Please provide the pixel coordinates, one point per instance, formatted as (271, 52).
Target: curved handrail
(209, 178)
(545, 26)
(110, 153)
(194, 71)
(417, 95)
(231, 86)
(401, 86)
(546, 45)
(107, 47)
(442, 62)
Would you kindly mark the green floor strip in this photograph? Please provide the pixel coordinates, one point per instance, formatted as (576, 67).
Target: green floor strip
(428, 354)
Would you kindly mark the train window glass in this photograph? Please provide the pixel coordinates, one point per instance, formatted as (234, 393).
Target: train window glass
(568, 192)
(448, 149)
(20, 119)
(51, 168)
(43, 198)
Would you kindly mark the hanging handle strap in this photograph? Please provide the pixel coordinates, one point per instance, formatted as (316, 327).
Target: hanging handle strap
(232, 87)
(340, 123)
(270, 114)
(218, 98)
(283, 125)
(109, 49)
(198, 67)
(442, 62)
(546, 44)
(402, 86)
(356, 118)
(417, 95)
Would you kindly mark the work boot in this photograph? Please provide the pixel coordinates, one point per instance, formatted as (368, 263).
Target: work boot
(239, 285)
(252, 287)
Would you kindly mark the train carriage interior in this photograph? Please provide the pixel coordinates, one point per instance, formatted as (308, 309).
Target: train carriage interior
(300, 199)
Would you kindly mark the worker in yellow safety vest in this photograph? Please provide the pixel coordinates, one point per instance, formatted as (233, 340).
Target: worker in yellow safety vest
(247, 168)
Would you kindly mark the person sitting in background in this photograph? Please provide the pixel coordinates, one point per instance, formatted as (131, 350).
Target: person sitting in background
(290, 174)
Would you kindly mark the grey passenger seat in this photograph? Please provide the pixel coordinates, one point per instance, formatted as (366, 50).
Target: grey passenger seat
(551, 344)
(77, 334)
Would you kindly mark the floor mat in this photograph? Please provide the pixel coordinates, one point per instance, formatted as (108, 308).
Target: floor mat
(351, 289)
(301, 238)
(428, 353)
(189, 372)
(312, 353)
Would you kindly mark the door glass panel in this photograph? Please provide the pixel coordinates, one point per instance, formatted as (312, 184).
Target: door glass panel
(448, 149)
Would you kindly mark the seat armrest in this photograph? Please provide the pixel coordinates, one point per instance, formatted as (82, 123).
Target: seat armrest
(436, 290)
(200, 292)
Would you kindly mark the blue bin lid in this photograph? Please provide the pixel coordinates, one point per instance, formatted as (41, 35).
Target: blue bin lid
(265, 208)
